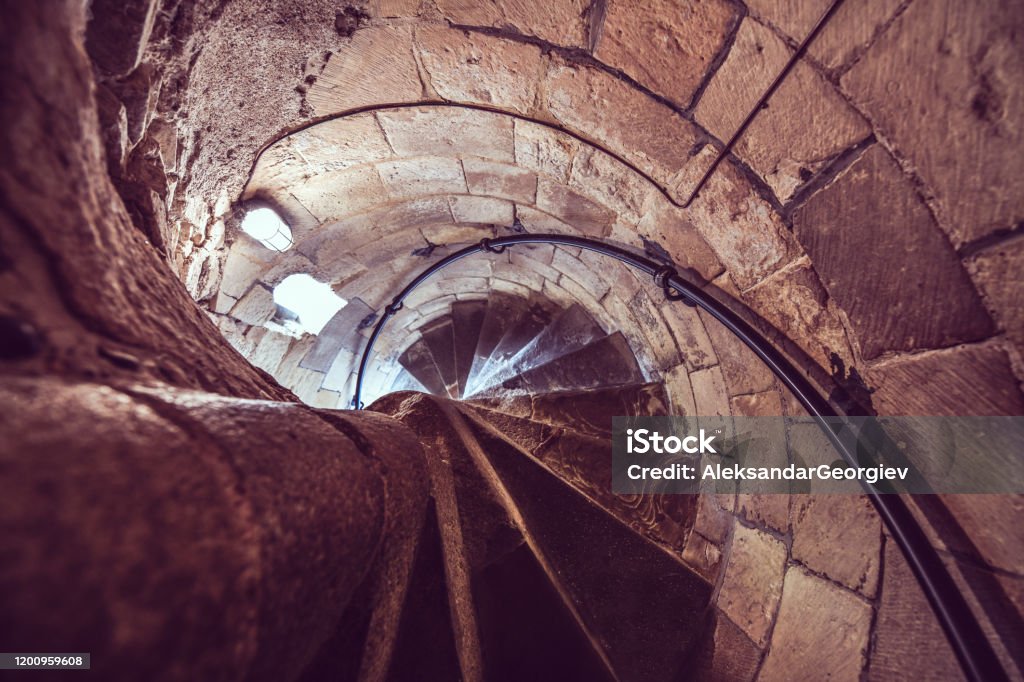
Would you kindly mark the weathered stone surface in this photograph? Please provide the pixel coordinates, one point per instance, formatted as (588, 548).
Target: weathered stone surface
(573, 268)
(599, 106)
(709, 392)
(448, 131)
(652, 323)
(753, 582)
(842, 40)
(767, 510)
(562, 22)
(256, 307)
(872, 214)
(335, 194)
(539, 221)
(384, 52)
(583, 214)
(332, 145)
(743, 371)
(117, 34)
(677, 382)
(806, 122)
(971, 380)
(955, 67)
(840, 537)
(545, 150)
(408, 178)
(672, 229)
(610, 183)
(821, 632)
(908, 640)
(744, 231)
(664, 46)
(695, 347)
(725, 653)
(485, 210)
(481, 69)
(500, 180)
(998, 272)
(794, 302)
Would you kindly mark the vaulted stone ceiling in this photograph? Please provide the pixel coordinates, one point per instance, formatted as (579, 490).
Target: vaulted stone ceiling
(606, 116)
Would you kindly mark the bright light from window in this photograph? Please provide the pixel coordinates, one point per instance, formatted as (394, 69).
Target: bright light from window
(265, 225)
(314, 302)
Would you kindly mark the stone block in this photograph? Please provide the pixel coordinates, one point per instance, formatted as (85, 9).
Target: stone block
(908, 640)
(270, 351)
(448, 131)
(663, 344)
(611, 183)
(335, 144)
(691, 338)
(663, 45)
(256, 307)
(409, 178)
(840, 537)
(570, 207)
(753, 582)
(563, 22)
(806, 124)
(743, 371)
(240, 271)
(743, 229)
(873, 211)
(481, 210)
(481, 69)
(821, 632)
(673, 230)
(539, 221)
(383, 53)
(709, 392)
(794, 302)
(525, 260)
(725, 654)
(572, 267)
(947, 66)
(677, 381)
(638, 128)
(487, 178)
(333, 195)
(850, 30)
(545, 150)
(970, 380)
(998, 272)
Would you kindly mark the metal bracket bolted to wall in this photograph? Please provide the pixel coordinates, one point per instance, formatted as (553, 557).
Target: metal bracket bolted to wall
(662, 278)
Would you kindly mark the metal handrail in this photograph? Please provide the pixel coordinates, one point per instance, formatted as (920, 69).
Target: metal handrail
(966, 637)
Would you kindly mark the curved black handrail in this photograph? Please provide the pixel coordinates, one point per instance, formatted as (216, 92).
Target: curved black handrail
(973, 650)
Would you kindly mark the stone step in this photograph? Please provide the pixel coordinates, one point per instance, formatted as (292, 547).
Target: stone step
(532, 321)
(640, 603)
(560, 587)
(419, 362)
(467, 323)
(502, 311)
(589, 412)
(584, 461)
(439, 337)
(606, 362)
(572, 329)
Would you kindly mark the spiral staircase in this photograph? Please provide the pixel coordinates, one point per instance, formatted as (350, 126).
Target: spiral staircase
(521, 564)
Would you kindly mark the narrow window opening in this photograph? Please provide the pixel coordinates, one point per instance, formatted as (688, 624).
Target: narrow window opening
(266, 226)
(313, 303)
